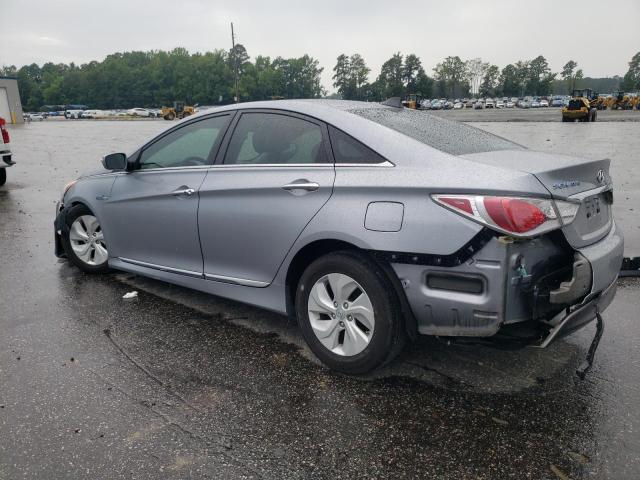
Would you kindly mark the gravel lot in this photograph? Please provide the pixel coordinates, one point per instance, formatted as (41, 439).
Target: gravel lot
(177, 384)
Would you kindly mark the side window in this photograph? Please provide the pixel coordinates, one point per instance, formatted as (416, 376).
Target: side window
(268, 138)
(347, 149)
(191, 145)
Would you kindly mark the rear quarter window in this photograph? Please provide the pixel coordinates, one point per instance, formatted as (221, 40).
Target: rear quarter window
(347, 149)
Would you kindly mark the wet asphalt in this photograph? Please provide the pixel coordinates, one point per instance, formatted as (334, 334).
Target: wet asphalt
(178, 384)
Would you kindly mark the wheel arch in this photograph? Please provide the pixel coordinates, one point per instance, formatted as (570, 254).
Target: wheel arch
(317, 248)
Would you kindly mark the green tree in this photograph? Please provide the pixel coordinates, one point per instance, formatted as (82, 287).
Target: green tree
(452, 77)
(390, 81)
(342, 76)
(359, 73)
(631, 79)
(490, 81)
(509, 81)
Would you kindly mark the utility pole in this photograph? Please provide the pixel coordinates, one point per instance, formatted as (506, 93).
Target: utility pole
(235, 63)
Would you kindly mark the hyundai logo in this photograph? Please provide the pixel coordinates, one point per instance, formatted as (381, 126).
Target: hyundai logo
(600, 176)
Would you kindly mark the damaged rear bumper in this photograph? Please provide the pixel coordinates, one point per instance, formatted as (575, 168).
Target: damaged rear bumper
(541, 282)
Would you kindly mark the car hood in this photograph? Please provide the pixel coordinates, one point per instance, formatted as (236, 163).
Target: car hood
(562, 175)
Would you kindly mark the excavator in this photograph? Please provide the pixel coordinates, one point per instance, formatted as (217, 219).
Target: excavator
(179, 111)
(583, 106)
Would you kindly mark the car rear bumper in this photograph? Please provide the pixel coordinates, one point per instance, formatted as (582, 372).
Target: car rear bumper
(5, 156)
(490, 290)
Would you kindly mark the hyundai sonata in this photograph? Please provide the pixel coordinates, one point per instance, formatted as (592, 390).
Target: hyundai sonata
(369, 223)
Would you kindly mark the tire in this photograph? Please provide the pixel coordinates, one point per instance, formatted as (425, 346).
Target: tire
(3, 176)
(79, 224)
(565, 119)
(359, 342)
(594, 115)
(170, 116)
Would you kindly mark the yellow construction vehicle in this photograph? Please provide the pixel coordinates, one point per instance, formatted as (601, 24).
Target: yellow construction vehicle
(179, 111)
(601, 102)
(620, 101)
(412, 101)
(582, 106)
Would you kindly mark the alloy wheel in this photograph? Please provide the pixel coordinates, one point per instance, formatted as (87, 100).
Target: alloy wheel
(87, 240)
(341, 314)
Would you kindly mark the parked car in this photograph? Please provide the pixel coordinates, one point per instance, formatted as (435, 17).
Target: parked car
(73, 114)
(458, 106)
(479, 105)
(325, 211)
(436, 105)
(557, 101)
(5, 151)
(499, 104)
(544, 103)
(509, 104)
(140, 112)
(33, 117)
(535, 104)
(489, 103)
(91, 114)
(448, 105)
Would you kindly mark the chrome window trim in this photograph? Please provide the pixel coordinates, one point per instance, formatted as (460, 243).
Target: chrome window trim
(271, 165)
(171, 169)
(236, 281)
(385, 164)
(162, 268)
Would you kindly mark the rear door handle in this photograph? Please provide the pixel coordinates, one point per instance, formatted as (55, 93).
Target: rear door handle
(184, 190)
(301, 185)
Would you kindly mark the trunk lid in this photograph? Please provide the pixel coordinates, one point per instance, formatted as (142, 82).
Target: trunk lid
(566, 178)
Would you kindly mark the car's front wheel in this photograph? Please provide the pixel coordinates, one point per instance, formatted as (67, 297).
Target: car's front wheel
(3, 176)
(83, 241)
(349, 312)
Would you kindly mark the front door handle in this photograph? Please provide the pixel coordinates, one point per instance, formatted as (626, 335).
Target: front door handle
(301, 185)
(184, 190)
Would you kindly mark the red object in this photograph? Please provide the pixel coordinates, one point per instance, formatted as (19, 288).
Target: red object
(514, 215)
(5, 132)
(458, 203)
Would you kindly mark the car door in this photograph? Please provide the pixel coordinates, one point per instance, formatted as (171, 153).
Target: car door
(274, 173)
(152, 211)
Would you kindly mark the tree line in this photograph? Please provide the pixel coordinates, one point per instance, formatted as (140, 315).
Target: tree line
(454, 77)
(156, 78)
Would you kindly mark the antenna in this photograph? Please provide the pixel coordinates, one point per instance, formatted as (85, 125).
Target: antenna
(235, 63)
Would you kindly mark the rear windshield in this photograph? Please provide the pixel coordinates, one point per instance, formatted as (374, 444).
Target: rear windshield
(451, 137)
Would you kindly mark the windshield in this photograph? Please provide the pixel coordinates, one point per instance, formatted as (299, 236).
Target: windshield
(451, 137)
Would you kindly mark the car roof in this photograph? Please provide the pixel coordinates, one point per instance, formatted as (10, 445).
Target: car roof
(390, 131)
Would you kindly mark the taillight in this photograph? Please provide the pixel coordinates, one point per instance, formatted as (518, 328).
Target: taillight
(517, 216)
(5, 132)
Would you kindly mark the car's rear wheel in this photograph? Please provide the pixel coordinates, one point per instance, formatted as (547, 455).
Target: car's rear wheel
(3, 176)
(349, 313)
(83, 241)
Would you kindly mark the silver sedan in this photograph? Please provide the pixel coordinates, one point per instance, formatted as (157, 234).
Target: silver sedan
(368, 223)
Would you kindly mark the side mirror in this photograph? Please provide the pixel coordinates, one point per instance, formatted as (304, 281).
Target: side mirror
(115, 161)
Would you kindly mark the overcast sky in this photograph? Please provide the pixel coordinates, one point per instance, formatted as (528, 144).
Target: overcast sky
(593, 33)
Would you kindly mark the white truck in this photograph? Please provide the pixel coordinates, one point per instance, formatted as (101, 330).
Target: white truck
(5, 151)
